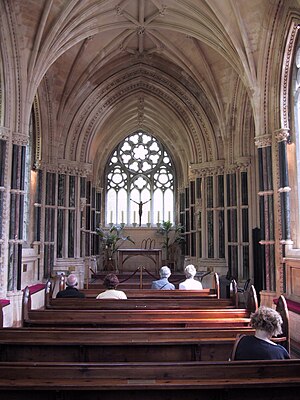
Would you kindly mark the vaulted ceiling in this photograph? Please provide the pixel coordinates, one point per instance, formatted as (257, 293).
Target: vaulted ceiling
(187, 71)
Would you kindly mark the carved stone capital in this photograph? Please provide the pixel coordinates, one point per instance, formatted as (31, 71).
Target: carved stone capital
(20, 139)
(285, 189)
(263, 141)
(282, 134)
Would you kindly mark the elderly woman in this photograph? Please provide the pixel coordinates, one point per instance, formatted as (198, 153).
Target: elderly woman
(267, 323)
(163, 283)
(110, 282)
(190, 283)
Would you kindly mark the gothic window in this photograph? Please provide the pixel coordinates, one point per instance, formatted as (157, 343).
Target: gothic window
(139, 173)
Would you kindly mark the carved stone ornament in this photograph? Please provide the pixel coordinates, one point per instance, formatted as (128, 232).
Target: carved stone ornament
(82, 203)
(4, 133)
(263, 141)
(282, 134)
(218, 168)
(285, 189)
(70, 168)
(20, 139)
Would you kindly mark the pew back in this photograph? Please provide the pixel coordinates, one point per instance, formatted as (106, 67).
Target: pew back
(192, 380)
(111, 345)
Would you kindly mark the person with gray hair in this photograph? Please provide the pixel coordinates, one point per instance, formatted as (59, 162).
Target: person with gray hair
(267, 323)
(190, 283)
(163, 283)
(71, 290)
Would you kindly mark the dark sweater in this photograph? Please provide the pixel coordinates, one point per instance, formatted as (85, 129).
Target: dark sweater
(252, 348)
(70, 292)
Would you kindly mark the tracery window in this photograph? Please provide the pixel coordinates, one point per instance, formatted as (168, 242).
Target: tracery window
(139, 177)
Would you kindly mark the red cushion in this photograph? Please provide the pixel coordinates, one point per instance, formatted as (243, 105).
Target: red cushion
(292, 305)
(36, 288)
(4, 302)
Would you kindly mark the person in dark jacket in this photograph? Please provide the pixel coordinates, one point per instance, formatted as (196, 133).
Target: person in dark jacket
(267, 323)
(71, 290)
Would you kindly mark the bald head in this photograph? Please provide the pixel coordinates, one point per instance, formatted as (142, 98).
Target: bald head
(71, 280)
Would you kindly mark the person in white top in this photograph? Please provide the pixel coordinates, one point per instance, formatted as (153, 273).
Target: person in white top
(110, 282)
(190, 283)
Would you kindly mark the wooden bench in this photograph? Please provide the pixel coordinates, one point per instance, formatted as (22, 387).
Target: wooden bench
(179, 302)
(111, 345)
(141, 318)
(259, 380)
(111, 318)
(92, 345)
(95, 289)
(206, 317)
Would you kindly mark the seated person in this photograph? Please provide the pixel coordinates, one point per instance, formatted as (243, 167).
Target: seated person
(267, 323)
(71, 290)
(163, 283)
(190, 283)
(110, 282)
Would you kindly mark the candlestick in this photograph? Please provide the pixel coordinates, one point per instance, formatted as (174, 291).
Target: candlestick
(134, 217)
(169, 215)
(122, 214)
(157, 216)
(148, 217)
(111, 217)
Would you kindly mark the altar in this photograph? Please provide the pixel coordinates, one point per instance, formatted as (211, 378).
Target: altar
(153, 254)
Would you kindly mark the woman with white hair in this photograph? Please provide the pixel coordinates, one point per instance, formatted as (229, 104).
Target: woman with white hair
(190, 283)
(267, 323)
(163, 283)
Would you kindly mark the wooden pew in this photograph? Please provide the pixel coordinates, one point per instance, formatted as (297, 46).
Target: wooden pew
(111, 345)
(213, 292)
(258, 380)
(182, 302)
(111, 318)
(141, 318)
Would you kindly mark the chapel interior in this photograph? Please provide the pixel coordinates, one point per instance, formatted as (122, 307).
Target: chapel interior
(137, 112)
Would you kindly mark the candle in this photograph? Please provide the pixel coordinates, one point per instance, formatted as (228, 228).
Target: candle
(134, 217)
(157, 216)
(111, 217)
(169, 215)
(148, 217)
(122, 213)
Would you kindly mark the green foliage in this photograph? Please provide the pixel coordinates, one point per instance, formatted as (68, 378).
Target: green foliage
(173, 235)
(112, 239)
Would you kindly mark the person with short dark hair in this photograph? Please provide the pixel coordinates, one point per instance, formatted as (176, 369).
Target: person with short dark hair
(110, 283)
(163, 283)
(267, 323)
(71, 290)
